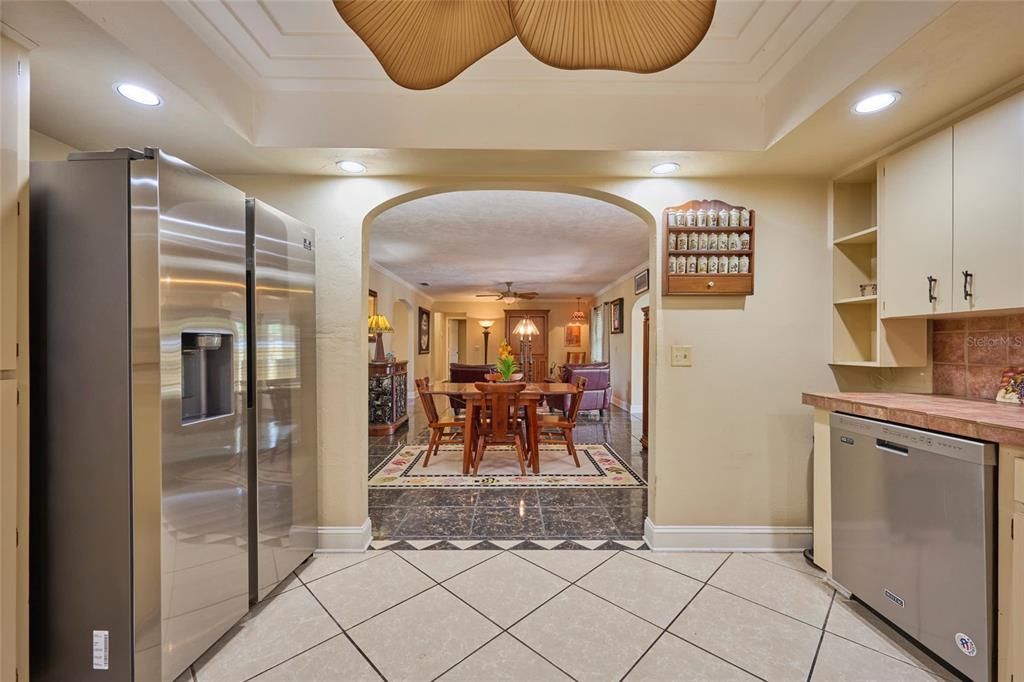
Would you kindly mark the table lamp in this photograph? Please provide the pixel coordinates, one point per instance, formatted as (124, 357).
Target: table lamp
(379, 325)
(486, 324)
(526, 329)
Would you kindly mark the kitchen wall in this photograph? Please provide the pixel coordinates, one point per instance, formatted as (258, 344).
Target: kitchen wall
(45, 148)
(971, 354)
(730, 441)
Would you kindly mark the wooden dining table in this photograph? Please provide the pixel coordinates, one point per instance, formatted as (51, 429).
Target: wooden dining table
(531, 397)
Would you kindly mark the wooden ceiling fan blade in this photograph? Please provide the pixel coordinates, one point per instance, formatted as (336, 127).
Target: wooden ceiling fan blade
(527, 294)
(423, 44)
(641, 36)
(498, 296)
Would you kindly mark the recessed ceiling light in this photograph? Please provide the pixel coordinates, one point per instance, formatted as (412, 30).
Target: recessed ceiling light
(138, 94)
(876, 102)
(424, 284)
(665, 168)
(351, 166)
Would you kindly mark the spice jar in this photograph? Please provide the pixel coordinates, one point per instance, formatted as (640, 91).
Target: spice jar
(702, 241)
(713, 265)
(744, 264)
(734, 218)
(694, 242)
(671, 241)
(734, 241)
(713, 241)
(723, 218)
(673, 264)
(712, 218)
(723, 264)
(691, 218)
(745, 241)
(744, 218)
(702, 218)
(734, 264)
(691, 265)
(702, 265)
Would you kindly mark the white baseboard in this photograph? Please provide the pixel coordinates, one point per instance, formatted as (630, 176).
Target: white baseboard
(636, 409)
(619, 402)
(727, 538)
(334, 539)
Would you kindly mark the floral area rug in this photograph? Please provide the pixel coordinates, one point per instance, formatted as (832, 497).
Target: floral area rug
(600, 466)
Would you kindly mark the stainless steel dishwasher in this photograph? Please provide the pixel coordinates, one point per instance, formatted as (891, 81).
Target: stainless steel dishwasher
(913, 534)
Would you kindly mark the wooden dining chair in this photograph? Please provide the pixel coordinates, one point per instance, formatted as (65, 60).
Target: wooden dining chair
(441, 432)
(501, 421)
(557, 428)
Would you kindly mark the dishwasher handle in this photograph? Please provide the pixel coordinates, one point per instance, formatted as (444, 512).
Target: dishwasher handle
(892, 448)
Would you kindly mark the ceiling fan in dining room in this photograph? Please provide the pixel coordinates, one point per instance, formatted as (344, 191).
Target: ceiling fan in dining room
(510, 296)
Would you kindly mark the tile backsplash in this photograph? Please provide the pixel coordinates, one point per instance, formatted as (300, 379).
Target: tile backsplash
(970, 354)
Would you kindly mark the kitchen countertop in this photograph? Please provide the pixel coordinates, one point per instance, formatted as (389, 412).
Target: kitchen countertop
(978, 419)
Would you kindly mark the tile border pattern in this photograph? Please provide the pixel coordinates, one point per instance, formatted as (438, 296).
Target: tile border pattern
(508, 545)
(664, 631)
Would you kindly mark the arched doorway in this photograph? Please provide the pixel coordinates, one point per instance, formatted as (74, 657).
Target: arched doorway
(412, 240)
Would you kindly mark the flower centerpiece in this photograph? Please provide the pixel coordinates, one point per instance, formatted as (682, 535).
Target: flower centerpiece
(506, 368)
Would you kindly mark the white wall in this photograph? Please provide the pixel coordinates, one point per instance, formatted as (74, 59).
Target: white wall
(730, 441)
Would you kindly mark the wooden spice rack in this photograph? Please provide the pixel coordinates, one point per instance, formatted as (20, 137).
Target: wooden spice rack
(706, 284)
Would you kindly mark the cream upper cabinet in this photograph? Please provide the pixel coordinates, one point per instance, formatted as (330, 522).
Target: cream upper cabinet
(988, 208)
(916, 229)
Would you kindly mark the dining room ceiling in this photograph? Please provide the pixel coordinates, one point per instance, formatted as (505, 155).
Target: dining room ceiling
(471, 242)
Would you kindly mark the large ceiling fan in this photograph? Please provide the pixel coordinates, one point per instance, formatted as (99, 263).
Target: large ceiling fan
(423, 44)
(510, 296)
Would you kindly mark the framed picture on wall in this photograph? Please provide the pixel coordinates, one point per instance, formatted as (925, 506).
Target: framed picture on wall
(423, 343)
(617, 326)
(641, 281)
(573, 335)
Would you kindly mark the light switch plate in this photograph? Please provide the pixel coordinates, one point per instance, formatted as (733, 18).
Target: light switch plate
(682, 356)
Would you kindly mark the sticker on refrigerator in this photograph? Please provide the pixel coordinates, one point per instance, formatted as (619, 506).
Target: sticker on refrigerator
(895, 599)
(101, 649)
(966, 644)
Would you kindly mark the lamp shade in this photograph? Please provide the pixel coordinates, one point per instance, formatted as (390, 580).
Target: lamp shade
(578, 317)
(526, 327)
(378, 324)
(486, 324)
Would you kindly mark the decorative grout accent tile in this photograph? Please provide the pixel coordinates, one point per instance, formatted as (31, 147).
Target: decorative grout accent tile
(538, 544)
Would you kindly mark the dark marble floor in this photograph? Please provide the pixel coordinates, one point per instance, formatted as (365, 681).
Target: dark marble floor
(576, 513)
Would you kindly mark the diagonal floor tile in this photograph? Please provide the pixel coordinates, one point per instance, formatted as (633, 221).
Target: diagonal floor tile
(444, 564)
(325, 564)
(336, 659)
(840, 660)
(569, 564)
(698, 565)
(793, 593)
(421, 638)
(673, 660)
(185, 676)
(505, 588)
(768, 644)
(504, 659)
(366, 589)
(276, 630)
(851, 620)
(586, 636)
(647, 590)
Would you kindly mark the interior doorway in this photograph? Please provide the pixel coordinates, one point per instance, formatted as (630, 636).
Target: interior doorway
(457, 344)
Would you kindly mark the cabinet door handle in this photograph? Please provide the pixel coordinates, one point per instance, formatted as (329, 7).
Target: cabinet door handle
(968, 285)
(932, 298)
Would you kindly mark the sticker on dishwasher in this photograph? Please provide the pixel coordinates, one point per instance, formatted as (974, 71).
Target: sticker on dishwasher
(966, 644)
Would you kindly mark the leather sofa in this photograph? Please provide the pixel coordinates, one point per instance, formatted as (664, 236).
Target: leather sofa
(465, 374)
(598, 394)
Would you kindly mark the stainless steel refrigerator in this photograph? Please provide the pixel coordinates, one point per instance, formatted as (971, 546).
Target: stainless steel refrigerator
(282, 424)
(141, 500)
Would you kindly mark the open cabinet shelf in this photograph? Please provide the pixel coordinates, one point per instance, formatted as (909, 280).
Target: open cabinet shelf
(860, 338)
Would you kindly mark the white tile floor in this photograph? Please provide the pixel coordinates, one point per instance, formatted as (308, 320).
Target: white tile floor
(555, 615)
